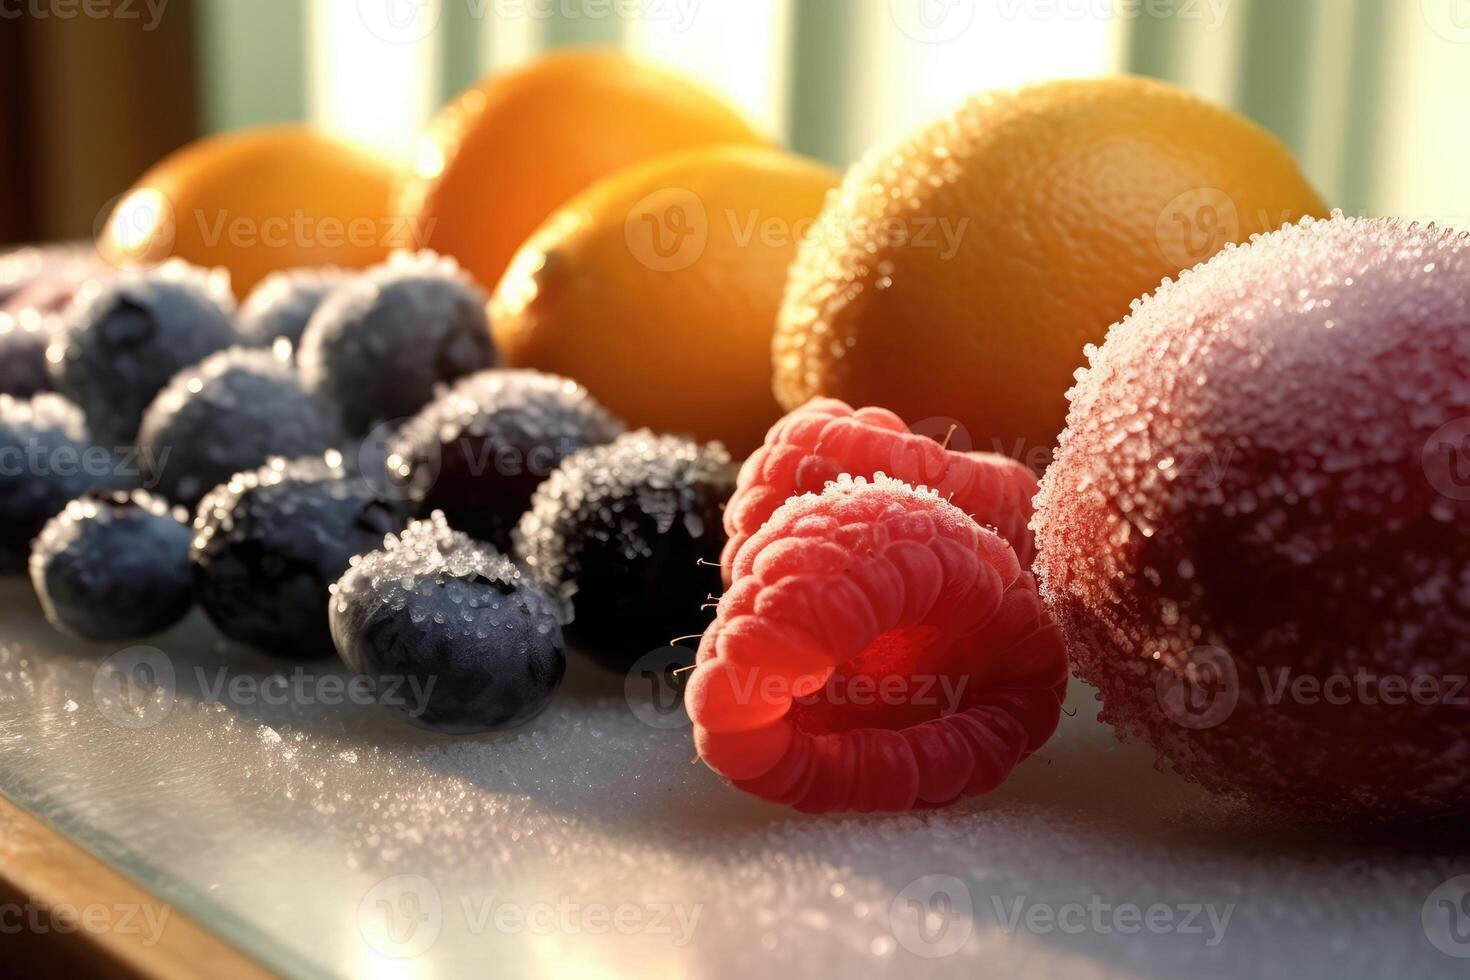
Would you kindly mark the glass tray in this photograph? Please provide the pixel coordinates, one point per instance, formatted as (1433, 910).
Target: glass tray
(327, 838)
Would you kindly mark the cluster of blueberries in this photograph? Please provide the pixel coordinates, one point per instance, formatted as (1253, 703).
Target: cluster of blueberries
(161, 448)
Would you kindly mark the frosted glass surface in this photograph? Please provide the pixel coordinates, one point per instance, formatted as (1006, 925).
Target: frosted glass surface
(332, 839)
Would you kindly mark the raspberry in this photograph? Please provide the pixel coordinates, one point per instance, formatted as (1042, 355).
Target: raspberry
(879, 650)
(826, 438)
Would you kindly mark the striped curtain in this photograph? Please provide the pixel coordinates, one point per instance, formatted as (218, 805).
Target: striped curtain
(1369, 93)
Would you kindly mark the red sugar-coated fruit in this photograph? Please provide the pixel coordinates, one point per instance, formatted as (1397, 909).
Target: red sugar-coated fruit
(826, 438)
(879, 650)
(1256, 531)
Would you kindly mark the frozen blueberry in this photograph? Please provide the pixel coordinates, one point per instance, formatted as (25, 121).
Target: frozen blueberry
(280, 306)
(378, 345)
(479, 450)
(46, 459)
(113, 566)
(470, 645)
(230, 413)
(122, 341)
(632, 533)
(24, 338)
(268, 544)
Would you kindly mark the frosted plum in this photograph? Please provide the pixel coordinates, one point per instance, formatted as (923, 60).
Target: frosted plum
(1256, 532)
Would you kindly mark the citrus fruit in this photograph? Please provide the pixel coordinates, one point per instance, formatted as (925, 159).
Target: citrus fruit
(514, 147)
(961, 273)
(658, 287)
(257, 201)
(1256, 533)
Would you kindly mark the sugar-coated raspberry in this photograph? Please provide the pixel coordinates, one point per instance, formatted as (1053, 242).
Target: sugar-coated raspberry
(878, 650)
(1256, 532)
(826, 438)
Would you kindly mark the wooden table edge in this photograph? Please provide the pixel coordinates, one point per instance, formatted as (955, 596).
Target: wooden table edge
(42, 871)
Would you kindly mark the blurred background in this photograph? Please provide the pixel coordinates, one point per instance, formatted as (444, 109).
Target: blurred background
(1368, 93)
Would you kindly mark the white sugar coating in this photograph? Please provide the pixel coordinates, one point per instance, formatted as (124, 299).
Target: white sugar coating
(281, 304)
(426, 261)
(43, 412)
(212, 283)
(287, 827)
(1255, 461)
(638, 471)
(67, 526)
(228, 413)
(426, 549)
(519, 403)
(216, 511)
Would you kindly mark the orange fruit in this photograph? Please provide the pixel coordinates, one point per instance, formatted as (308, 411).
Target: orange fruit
(959, 275)
(256, 201)
(515, 147)
(657, 288)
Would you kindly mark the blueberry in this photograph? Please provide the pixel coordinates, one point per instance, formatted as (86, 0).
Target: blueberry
(269, 544)
(46, 459)
(113, 566)
(378, 345)
(230, 413)
(479, 450)
(470, 644)
(283, 302)
(122, 341)
(24, 338)
(622, 530)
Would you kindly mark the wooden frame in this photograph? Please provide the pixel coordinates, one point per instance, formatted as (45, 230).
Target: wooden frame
(41, 871)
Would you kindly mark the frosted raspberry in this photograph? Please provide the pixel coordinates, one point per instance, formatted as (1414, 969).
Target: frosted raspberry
(826, 438)
(878, 651)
